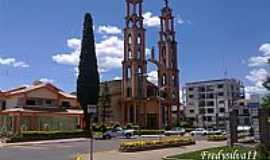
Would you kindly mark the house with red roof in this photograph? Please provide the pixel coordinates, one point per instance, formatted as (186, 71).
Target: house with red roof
(38, 107)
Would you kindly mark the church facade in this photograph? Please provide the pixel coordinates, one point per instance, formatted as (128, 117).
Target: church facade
(141, 102)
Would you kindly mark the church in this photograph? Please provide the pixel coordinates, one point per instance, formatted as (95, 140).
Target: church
(135, 100)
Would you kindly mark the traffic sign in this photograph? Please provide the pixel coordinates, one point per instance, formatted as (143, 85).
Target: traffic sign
(91, 109)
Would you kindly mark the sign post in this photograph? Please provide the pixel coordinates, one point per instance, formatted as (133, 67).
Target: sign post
(92, 110)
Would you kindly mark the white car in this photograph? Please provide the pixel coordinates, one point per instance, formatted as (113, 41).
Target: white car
(118, 133)
(199, 131)
(175, 131)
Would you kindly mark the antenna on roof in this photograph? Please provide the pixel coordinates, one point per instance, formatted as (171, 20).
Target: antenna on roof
(224, 67)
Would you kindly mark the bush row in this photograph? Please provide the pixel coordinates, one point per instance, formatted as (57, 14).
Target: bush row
(216, 138)
(144, 145)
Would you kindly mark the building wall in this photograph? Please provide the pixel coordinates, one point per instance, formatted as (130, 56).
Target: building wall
(206, 100)
(12, 102)
(42, 93)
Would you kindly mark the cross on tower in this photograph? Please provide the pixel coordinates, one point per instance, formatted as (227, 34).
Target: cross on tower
(166, 3)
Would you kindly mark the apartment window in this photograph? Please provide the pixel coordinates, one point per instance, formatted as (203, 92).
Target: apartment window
(220, 86)
(191, 111)
(201, 89)
(209, 119)
(210, 96)
(201, 103)
(210, 88)
(246, 121)
(31, 102)
(222, 110)
(210, 110)
(221, 102)
(191, 89)
(202, 96)
(242, 104)
(210, 103)
(202, 111)
(246, 111)
(221, 94)
(191, 96)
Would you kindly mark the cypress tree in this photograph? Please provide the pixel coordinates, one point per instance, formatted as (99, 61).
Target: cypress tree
(88, 79)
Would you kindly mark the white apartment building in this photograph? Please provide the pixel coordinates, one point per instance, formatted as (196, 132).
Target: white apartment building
(208, 102)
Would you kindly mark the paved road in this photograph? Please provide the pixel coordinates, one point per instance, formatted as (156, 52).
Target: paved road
(59, 151)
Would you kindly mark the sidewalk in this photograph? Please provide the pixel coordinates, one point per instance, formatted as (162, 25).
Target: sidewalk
(43, 142)
(155, 154)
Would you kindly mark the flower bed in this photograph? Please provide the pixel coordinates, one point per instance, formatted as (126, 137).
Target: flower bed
(216, 138)
(144, 145)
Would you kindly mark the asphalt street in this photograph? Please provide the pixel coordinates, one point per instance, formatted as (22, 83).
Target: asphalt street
(58, 151)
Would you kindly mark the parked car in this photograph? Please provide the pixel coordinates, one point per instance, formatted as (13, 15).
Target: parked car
(175, 131)
(199, 131)
(118, 133)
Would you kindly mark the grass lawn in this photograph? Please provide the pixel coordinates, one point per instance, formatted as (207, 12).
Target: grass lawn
(212, 154)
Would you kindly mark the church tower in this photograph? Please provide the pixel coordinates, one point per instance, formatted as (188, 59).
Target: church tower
(134, 65)
(168, 73)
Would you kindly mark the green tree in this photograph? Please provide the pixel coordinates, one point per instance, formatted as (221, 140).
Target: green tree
(266, 99)
(88, 79)
(104, 103)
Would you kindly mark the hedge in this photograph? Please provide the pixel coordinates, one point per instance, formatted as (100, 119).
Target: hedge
(216, 138)
(148, 132)
(47, 135)
(144, 145)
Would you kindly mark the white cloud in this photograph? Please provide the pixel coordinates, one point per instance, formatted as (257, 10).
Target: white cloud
(153, 77)
(259, 61)
(180, 20)
(117, 78)
(150, 20)
(259, 73)
(107, 29)
(13, 62)
(46, 80)
(265, 48)
(109, 53)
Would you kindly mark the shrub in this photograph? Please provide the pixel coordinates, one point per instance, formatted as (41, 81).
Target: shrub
(47, 135)
(143, 145)
(148, 132)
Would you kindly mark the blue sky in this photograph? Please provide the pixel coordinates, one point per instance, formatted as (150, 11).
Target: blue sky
(40, 39)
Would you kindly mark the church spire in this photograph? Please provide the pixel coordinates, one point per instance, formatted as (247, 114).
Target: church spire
(166, 3)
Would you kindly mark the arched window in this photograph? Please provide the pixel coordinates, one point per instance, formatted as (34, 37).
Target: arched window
(139, 53)
(129, 39)
(139, 70)
(164, 80)
(129, 54)
(129, 73)
(139, 39)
